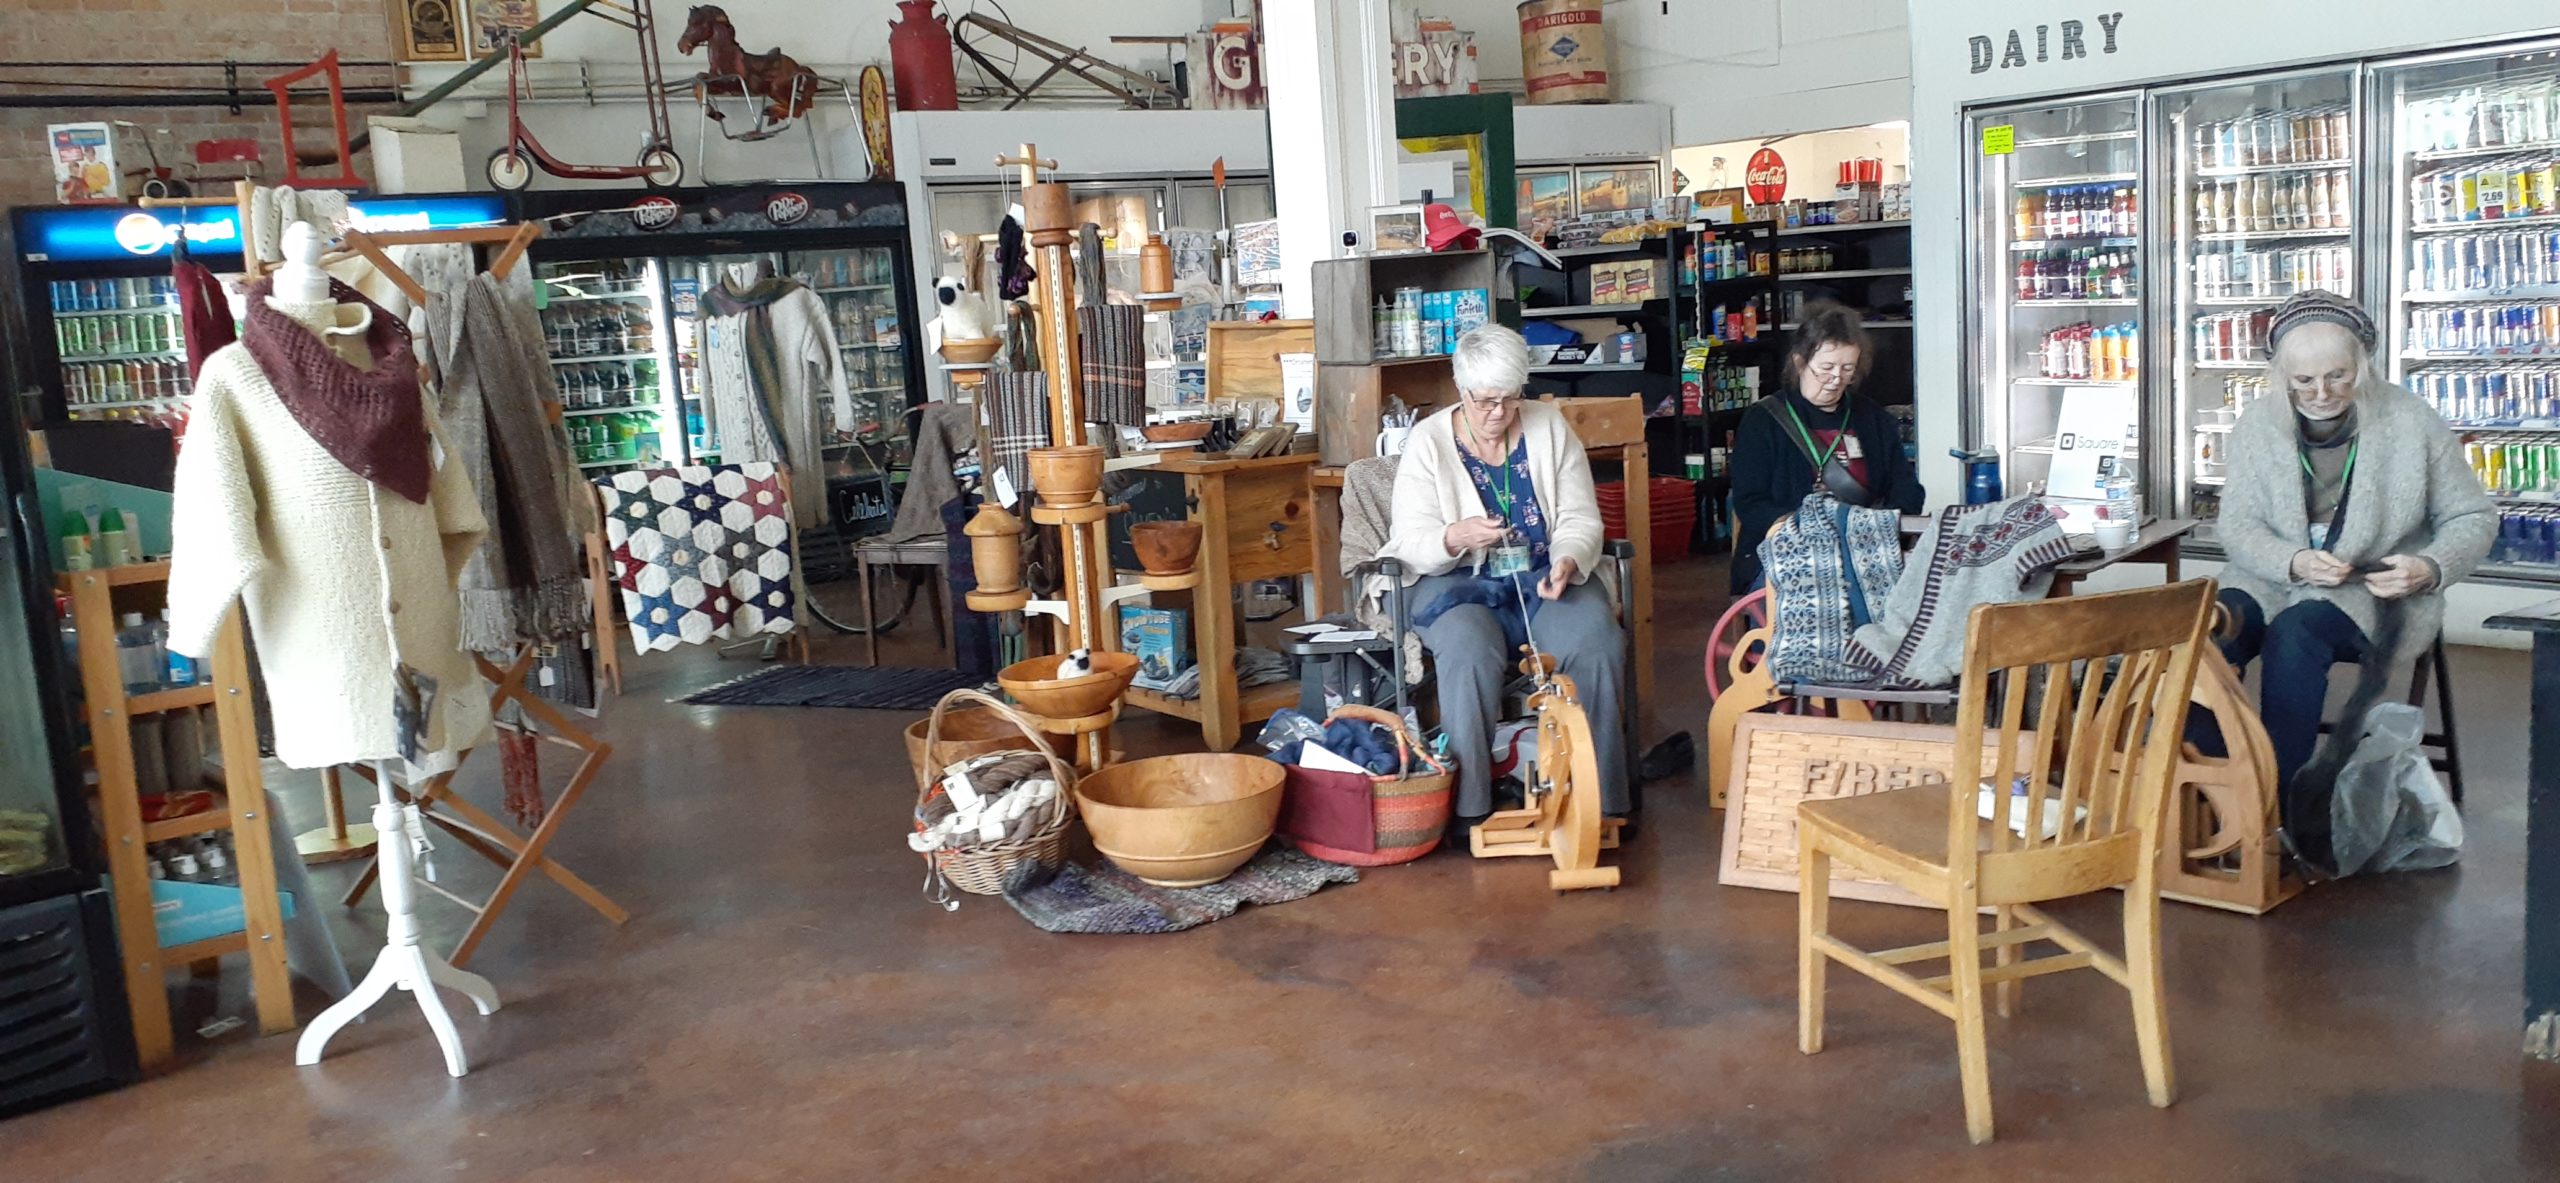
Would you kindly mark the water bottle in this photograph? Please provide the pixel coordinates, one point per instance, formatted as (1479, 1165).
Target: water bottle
(137, 661)
(178, 670)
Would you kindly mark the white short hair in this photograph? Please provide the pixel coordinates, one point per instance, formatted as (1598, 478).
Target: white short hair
(1491, 357)
(2327, 336)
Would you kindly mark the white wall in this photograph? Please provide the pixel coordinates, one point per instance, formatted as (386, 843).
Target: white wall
(2155, 41)
(1813, 160)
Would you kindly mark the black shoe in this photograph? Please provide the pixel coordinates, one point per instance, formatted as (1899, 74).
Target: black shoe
(1461, 832)
(1626, 826)
(1672, 757)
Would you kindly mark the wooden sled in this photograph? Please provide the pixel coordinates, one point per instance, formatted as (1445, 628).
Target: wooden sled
(1562, 820)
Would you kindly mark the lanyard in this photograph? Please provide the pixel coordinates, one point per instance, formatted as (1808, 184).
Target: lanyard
(2304, 455)
(1823, 460)
(1501, 496)
(2346, 487)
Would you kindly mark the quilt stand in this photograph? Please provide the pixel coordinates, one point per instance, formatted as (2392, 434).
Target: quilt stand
(1562, 820)
(493, 839)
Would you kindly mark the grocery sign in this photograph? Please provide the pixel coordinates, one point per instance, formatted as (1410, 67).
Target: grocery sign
(87, 234)
(1764, 177)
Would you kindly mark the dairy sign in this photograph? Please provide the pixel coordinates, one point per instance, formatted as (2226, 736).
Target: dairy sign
(2021, 46)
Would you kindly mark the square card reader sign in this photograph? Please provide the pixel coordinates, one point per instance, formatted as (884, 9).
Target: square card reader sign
(2093, 442)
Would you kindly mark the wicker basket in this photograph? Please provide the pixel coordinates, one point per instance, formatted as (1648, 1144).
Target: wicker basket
(984, 869)
(1412, 810)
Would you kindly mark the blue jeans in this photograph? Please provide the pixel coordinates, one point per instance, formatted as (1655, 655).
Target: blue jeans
(2298, 646)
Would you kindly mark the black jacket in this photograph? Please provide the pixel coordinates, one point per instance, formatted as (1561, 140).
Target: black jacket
(1771, 475)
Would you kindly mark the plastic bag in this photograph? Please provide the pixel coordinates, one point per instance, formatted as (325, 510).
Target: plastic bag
(2389, 812)
(1286, 729)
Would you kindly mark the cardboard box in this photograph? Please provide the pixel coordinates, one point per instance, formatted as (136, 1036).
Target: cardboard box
(186, 913)
(1604, 283)
(91, 162)
(414, 156)
(1159, 637)
(1642, 280)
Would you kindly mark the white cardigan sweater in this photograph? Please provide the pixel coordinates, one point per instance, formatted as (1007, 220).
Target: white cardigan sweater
(343, 579)
(1433, 490)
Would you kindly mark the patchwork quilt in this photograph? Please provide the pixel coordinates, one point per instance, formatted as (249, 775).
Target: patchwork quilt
(701, 552)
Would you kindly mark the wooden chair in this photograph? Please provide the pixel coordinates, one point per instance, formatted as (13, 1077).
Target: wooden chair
(2109, 677)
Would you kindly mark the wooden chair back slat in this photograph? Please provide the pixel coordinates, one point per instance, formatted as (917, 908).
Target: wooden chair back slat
(2099, 670)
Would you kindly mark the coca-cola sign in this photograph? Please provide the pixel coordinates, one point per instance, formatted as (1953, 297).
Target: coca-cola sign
(1764, 179)
(655, 212)
(784, 208)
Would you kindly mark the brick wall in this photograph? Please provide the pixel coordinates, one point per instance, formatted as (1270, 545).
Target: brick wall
(107, 31)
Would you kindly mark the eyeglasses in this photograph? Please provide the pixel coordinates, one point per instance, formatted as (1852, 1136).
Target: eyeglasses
(1498, 402)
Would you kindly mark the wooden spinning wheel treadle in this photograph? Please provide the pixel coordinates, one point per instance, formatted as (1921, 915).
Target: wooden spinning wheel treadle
(1562, 819)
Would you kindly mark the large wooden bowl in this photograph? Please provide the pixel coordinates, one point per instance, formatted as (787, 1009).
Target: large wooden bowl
(1035, 683)
(1066, 477)
(1182, 821)
(1167, 433)
(968, 732)
(1166, 548)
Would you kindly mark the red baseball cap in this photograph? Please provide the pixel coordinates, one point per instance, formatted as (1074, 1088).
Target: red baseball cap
(1444, 232)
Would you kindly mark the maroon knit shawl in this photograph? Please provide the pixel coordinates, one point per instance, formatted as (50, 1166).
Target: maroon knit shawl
(373, 421)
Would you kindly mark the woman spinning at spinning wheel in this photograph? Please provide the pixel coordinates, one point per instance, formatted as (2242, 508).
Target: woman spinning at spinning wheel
(1817, 433)
(2350, 508)
(1499, 531)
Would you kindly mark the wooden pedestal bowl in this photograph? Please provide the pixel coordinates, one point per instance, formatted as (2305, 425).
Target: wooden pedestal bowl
(1166, 548)
(970, 351)
(1067, 477)
(1034, 682)
(1182, 821)
(968, 732)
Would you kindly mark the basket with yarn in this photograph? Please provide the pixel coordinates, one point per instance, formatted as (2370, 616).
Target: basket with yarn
(978, 821)
(1411, 805)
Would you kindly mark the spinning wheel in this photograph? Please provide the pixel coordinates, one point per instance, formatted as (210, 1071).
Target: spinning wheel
(1731, 645)
(1562, 820)
(1738, 681)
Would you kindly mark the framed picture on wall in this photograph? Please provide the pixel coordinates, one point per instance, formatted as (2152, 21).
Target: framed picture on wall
(492, 20)
(1614, 190)
(1395, 229)
(427, 30)
(1545, 193)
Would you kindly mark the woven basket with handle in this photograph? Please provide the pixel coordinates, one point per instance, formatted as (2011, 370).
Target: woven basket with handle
(984, 868)
(1412, 807)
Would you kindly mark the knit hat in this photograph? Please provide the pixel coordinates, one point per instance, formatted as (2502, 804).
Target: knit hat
(2321, 308)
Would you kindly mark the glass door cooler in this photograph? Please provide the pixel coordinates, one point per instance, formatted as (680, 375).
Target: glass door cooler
(606, 324)
(2264, 179)
(2474, 260)
(2057, 312)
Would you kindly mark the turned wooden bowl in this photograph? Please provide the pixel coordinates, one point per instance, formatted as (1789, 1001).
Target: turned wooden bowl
(1067, 477)
(1035, 684)
(1182, 821)
(966, 733)
(970, 351)
(1166, 548)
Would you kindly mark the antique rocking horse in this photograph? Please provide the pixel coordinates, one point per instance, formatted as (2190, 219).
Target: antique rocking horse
(787, 87)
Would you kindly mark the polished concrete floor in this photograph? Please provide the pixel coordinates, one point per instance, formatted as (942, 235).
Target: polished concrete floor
(784, 1005)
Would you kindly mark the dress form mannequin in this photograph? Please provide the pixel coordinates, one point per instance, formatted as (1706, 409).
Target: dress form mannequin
(302, 291)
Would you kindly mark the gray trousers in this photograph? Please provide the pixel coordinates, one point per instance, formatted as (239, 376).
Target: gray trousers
(1473, 662)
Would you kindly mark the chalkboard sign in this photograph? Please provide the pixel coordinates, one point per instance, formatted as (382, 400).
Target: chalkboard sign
(1151, 497)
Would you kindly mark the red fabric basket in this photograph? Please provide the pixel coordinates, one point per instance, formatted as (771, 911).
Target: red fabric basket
(1411, 810)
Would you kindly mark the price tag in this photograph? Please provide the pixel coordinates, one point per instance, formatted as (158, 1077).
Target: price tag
(2000, 140)
(1005, 496)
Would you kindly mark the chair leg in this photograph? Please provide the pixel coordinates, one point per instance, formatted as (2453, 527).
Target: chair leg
(1973, 1056)
(2444, 711)
(2004, 995)
(1813, 918)
(2150, 994)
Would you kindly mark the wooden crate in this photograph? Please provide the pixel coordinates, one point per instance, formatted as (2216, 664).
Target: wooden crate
(1781, 761)
(1244, 355)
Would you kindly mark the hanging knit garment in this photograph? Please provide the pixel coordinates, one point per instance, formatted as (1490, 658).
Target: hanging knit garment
(372, 420)
(527, 581)
(1827, 563)
(769, 355)
(1998, 553)
(1114, 348)
(1016, 410)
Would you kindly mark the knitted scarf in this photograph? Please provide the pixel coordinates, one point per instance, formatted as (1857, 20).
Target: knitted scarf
(1828, 564)
(525, 583)
(1114, 353)
(753, 309)
(373, 421)
(1998, 553)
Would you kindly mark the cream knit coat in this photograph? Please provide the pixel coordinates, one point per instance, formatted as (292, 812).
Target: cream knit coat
(1433, 490)
(343, 580)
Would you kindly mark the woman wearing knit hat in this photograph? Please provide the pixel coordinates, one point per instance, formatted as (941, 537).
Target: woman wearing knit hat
(2349, 510)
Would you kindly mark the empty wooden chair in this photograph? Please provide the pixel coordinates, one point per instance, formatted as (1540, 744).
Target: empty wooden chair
(2100, 686)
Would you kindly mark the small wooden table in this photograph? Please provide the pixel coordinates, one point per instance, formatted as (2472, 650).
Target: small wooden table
(1257, 521)
(2541, 831)
(2157, 542)
(934, 553)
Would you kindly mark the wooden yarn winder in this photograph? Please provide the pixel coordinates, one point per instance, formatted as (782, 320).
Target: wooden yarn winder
(1562, 820)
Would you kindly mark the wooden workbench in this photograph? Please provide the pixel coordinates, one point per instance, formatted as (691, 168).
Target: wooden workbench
(1257, 521)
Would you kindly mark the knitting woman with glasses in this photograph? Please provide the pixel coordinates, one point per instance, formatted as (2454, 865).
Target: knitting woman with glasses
(1499, 533)
(1817, 432)
(2349, 510)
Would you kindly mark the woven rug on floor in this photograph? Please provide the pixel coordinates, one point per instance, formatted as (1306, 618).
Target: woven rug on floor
(854, 687)
(1106, 899)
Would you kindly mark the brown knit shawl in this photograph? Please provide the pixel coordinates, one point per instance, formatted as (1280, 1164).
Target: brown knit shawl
(373, 421)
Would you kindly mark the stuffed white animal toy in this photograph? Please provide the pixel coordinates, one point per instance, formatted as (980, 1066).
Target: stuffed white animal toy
(967, 314)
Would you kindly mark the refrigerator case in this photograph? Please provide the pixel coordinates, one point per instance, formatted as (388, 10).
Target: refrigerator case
(2263, 177)
(2058, 361)
(661, 252)
(2473, 322)
(64, 1030)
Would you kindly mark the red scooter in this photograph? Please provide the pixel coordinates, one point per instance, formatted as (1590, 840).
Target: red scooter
(511, 168)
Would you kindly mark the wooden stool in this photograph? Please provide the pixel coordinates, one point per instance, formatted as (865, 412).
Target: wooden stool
(935, 554)
(2443, 751)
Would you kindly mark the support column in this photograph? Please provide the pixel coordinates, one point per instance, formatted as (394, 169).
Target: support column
(1333, 129)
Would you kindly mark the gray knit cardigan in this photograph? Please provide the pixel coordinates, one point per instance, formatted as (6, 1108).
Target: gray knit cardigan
(2411, 494)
